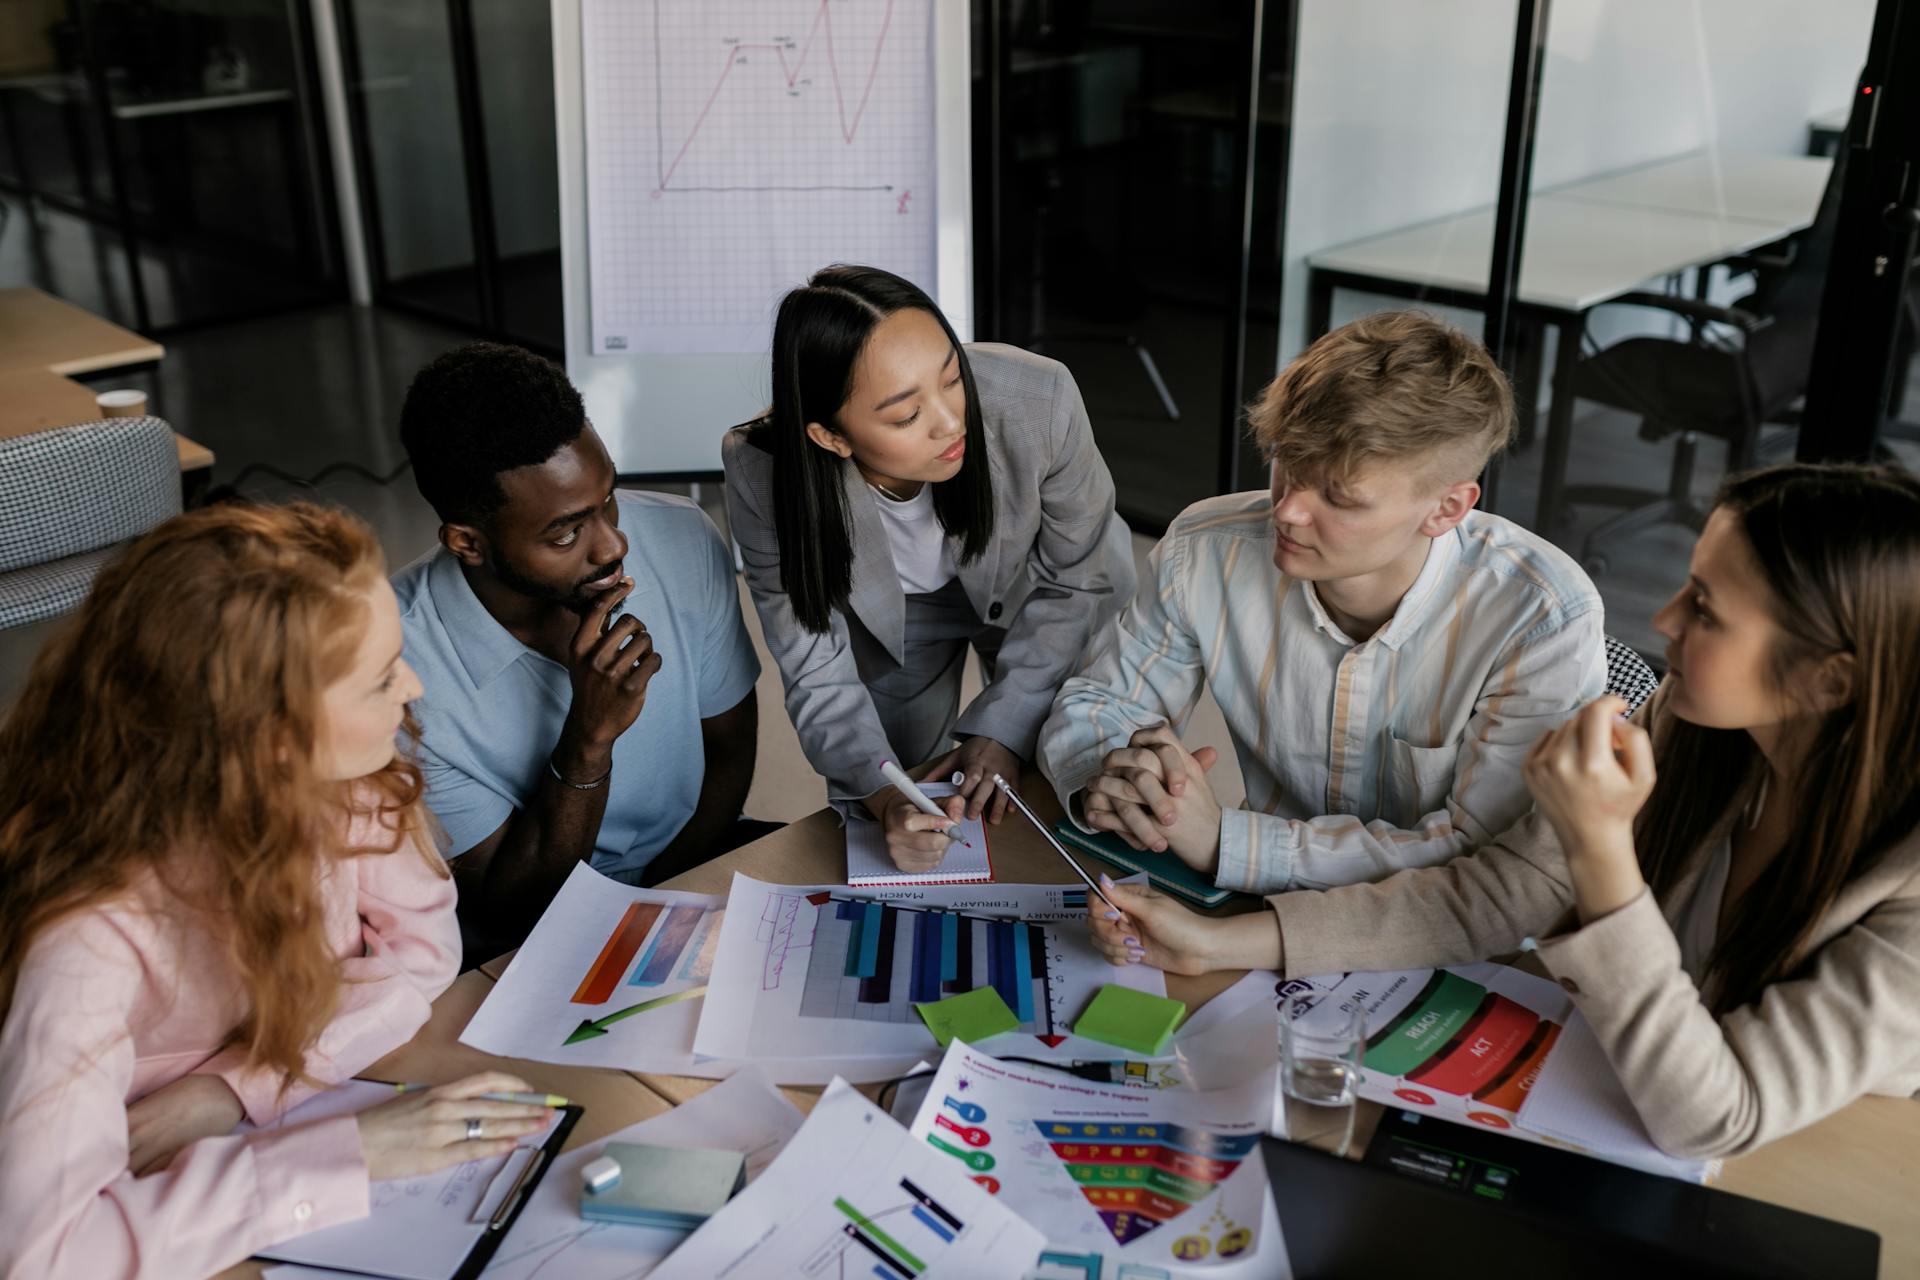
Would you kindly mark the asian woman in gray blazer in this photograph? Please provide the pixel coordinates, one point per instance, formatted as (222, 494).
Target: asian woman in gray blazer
(905, 498)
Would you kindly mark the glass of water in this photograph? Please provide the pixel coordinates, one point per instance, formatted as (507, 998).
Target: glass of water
(1321, 1043)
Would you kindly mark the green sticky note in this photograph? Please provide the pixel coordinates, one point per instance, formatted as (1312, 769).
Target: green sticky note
(972, 1016)
(1130, 1019)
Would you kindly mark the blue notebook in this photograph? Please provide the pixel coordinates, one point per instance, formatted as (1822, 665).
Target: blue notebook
(666, 1186)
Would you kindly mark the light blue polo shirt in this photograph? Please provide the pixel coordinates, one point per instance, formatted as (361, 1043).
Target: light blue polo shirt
(493, 708)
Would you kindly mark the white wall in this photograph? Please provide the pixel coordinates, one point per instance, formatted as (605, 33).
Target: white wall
(1400, 105)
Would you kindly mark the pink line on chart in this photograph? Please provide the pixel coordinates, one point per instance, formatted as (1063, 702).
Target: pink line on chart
(821, 21)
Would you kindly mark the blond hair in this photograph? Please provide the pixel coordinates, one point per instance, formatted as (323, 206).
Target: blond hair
(1390, 386)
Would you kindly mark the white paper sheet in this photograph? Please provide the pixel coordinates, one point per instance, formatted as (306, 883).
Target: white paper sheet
(1160, 1177)
(1472, 1044)
(419, 1228)
(603, 948)
(784, 988)
(850, 1190)
(550, 1241)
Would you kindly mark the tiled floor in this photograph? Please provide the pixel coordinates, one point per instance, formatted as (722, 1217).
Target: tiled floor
(300, 391)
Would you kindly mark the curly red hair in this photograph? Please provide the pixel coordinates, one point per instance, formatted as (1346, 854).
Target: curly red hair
(167, 728)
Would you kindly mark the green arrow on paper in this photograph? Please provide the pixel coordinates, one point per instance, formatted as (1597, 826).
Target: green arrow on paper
(598, 1027)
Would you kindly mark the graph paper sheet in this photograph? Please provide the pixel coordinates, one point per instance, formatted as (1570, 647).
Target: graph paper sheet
(734, 147)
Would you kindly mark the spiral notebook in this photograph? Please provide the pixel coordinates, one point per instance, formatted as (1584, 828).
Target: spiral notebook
(968, 861)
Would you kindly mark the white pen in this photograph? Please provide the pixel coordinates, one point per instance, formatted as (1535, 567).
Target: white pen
(897, 776)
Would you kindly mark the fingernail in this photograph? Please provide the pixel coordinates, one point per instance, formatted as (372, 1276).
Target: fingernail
(1132, 942)
(1166, 817)
(1111, 915)
(1161, 847)
(1105, 883)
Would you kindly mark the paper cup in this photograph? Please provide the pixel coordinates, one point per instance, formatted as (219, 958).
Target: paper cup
(122, 404)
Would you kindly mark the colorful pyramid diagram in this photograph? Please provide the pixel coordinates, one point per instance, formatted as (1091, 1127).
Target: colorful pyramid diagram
(1138, 1176)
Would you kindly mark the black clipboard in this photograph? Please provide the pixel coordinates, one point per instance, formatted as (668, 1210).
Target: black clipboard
(490, 1238)
(482, 1252)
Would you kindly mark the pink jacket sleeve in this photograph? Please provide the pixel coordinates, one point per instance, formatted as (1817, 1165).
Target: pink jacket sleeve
(68, 1205)
(410, 954)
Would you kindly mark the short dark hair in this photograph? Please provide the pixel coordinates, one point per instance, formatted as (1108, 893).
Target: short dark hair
(478, 410)
(818, 336)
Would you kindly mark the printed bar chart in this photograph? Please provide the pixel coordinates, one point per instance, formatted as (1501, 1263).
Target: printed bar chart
(873, 962)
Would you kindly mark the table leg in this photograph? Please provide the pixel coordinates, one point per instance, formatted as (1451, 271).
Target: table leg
(1532, 336)
(1319, 303)
(1553, 464)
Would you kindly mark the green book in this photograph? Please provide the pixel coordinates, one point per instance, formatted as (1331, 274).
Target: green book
(666, 1186)
(1164, 871)
(1130, 1019)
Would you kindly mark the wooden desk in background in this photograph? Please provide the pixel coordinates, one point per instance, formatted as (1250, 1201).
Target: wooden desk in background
(44, 344)
(1858, 1166)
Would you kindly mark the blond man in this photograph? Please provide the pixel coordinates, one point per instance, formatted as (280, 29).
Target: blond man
(1384, 654)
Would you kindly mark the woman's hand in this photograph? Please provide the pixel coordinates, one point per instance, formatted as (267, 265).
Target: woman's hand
(1153, 929)
(916, 841)
(426, 1131)
(1590, 777)
(175, 1116)
(978, 759)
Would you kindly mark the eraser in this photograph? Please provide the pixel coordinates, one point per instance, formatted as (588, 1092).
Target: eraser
(601, 1175)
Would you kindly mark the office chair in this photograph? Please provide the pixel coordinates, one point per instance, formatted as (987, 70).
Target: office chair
(1738, 368)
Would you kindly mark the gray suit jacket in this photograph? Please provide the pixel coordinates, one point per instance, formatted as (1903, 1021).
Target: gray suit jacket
(1059, 567)
(1847, 1024)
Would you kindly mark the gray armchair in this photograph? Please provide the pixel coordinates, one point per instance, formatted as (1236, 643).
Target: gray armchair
(69, 498)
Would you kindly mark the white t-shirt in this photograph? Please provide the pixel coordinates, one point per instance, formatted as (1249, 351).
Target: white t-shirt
(922, 554)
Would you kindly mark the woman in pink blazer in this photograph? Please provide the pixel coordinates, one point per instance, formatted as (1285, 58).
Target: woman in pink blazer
(216, 899)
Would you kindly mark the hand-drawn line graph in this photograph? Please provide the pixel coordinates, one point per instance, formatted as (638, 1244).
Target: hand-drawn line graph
(734, 147)
(737, 54)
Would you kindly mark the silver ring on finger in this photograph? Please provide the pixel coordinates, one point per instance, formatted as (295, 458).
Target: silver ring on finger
(473, 1129)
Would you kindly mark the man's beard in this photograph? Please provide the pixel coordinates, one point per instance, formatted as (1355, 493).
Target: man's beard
(576, 599)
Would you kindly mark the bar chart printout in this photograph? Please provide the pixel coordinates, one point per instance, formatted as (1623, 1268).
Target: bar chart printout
(830, 976)
(612, 976)
(854, 1196)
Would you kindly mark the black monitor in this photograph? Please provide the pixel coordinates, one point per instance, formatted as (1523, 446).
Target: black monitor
(1435, 1199)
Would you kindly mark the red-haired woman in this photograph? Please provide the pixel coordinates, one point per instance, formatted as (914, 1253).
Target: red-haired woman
(216, 898)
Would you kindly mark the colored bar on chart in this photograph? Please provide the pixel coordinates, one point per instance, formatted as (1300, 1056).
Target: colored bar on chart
(871, 918)
(928, 1203)
(885, 1273)
(1037, 949)
(949, 947)
(1023, 973)
(932, 1223)
(1000, 963)
(901, 1256)
(854, 913)
(656, 965)
(604, 975)
(878, 988)
(923, 979)
(963, 957)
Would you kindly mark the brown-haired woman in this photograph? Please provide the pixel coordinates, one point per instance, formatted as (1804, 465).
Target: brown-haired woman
(1737, 870)
(215, 900)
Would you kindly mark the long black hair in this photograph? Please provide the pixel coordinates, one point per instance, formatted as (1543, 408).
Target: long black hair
(817, 337)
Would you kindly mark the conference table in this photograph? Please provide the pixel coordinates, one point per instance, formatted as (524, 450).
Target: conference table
(1587, 243)
(1861, 1165)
